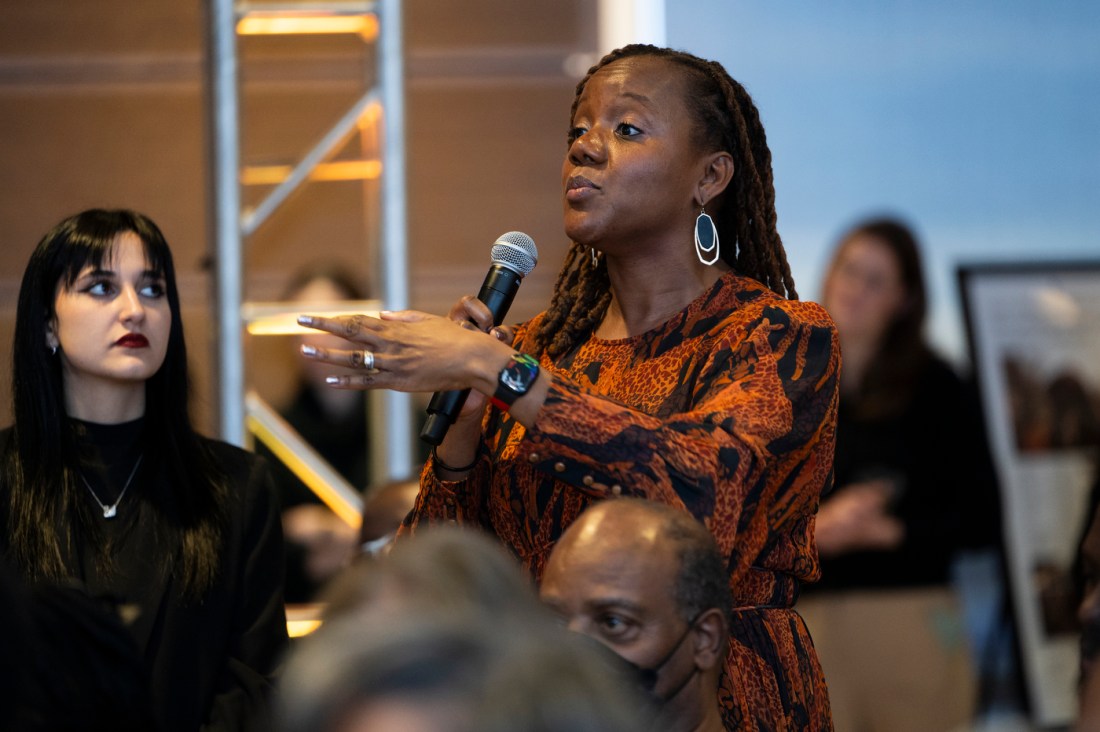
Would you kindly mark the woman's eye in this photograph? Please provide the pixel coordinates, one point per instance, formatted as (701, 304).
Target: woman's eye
(101, 287)
(627, 130)
(153, 289)
(574, 134)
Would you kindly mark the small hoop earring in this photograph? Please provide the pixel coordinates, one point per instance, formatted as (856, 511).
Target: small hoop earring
(706, 237)
(595, 257)
(53, 351)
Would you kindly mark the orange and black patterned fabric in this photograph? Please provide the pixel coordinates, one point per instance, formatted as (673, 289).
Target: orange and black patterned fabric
(727, 410)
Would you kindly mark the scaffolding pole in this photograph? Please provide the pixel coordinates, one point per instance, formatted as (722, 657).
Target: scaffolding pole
(396, 409)
(391, 446)
(224, 118)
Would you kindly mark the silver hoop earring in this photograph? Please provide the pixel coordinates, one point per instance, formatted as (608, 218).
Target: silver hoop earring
(706, 237)
(595, 257)
(53, 351)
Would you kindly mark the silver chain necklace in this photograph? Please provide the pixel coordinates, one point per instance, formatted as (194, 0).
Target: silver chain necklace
(110, 511)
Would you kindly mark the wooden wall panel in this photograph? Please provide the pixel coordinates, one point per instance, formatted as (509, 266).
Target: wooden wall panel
(103, 104)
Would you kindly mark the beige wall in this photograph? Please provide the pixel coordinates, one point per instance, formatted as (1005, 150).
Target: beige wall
(103, 104)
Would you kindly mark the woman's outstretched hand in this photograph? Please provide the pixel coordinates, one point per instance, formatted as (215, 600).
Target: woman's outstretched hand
(413, 351)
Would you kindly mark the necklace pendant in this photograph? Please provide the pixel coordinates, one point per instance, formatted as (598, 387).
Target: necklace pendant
(110, 511)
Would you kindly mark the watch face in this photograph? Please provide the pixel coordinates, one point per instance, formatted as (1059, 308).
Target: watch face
(516, 378)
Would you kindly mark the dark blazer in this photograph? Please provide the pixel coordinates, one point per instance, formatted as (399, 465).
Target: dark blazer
(212, 663)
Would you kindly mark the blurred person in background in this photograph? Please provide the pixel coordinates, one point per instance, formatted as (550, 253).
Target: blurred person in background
(913, 487)
(335, 424)
(384, 508)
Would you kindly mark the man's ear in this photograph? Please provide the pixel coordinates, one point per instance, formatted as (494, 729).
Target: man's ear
(717, 174)
(711, 636)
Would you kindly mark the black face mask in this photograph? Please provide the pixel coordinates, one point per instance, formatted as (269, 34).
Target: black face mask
(647, 675)
(644, 677)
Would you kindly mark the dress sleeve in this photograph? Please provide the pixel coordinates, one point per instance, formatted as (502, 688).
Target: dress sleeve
(752, 451)
(258, 639)
(457, 501)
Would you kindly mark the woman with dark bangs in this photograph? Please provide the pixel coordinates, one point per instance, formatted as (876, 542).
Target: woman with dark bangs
(106, 484)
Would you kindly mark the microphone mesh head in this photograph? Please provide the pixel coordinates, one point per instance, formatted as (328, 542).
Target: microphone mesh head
(516, 251)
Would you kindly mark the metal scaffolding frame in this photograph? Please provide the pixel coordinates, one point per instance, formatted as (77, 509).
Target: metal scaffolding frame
(390, 414)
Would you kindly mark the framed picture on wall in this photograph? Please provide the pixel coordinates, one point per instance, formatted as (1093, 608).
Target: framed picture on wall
(1034, 336)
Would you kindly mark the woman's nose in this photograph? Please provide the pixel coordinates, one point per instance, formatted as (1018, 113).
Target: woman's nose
(132, 306)
(588, 148)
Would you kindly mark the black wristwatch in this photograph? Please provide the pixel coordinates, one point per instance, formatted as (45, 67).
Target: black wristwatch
(515, 380)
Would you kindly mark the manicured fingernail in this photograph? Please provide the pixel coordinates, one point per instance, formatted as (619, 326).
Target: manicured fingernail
(332, 379)
(309, 350)
(305, 320)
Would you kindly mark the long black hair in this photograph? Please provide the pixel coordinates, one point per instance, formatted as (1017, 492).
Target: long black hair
(47, 512)
(726, 119)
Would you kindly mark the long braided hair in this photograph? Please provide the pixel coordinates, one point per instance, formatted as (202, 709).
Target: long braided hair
(725, 119)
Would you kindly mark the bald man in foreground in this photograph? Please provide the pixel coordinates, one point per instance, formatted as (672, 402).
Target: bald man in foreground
(648, 581)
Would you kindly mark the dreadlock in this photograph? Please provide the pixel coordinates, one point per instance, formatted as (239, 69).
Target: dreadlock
(726, 119)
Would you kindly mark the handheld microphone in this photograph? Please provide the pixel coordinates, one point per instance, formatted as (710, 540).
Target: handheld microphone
(513, 257)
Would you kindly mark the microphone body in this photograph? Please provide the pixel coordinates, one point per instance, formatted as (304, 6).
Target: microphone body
(513, 257)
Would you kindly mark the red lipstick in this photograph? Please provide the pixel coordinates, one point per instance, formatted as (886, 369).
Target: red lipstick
(133, 340)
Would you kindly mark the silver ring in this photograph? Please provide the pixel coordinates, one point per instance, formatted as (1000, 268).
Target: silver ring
(368, 360)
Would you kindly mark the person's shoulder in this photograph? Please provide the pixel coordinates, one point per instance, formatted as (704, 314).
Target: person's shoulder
(751, 298)
(229, 451)
(526, 330)
(940, 384)
(233, 460)
(247, 474)
(531, 324)
(805, 312)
